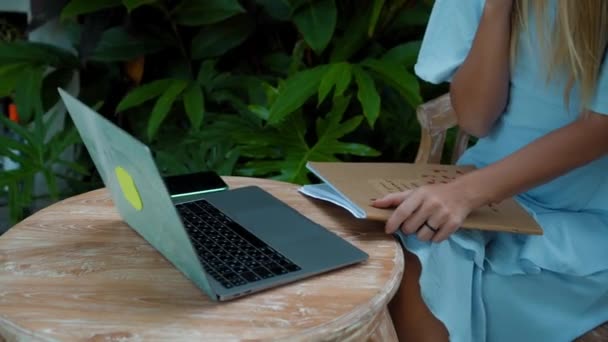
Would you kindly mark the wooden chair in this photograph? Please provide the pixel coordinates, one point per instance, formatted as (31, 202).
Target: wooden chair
(435, 118)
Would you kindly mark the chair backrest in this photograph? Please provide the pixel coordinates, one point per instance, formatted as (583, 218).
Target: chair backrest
(435, 118)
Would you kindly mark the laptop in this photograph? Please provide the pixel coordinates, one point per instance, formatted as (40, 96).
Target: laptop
(229, 243)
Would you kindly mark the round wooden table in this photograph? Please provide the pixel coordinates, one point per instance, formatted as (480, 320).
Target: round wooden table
(75, 271)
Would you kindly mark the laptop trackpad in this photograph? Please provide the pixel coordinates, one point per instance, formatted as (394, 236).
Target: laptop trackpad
(276, 223)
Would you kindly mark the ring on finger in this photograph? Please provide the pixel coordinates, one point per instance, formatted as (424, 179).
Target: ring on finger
(426, 224)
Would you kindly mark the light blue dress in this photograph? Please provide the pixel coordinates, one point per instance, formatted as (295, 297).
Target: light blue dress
(507, 287)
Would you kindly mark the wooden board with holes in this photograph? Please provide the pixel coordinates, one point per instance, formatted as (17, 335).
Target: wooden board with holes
(355, 185)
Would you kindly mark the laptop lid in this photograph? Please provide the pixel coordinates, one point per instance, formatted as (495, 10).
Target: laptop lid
(128, 171)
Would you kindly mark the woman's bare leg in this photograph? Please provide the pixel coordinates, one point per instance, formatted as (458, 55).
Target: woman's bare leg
(412, 318)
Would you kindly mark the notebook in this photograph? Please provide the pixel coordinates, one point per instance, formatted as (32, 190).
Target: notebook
(354, 185)
(228, 243)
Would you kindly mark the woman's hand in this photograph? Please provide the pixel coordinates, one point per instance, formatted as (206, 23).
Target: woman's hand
(433, 212)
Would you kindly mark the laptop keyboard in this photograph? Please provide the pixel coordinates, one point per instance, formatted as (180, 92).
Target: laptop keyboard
(230, 253)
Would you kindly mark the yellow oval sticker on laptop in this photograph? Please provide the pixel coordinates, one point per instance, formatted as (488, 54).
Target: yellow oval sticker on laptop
(129, 190)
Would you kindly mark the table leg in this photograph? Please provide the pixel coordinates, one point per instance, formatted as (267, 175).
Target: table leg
(385, 330)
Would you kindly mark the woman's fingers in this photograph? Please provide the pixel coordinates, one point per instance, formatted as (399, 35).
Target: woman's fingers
(426, 221)
(391, 200)
(403, 211)
(425, 233)
(446, 230)
(428, 212)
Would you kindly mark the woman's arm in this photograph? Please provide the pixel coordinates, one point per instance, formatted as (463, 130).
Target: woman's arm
(551, 156)
(480, 87)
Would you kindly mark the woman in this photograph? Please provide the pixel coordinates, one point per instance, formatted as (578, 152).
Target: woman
(530, 78)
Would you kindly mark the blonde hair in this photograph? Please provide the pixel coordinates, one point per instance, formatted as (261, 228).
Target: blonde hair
(577, 44)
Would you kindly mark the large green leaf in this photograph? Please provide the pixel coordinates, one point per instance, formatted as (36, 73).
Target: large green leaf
(204, 12)
(316, 20)
(404, 54)
(233, 128)
(278, 153)
(78, 7)
(8, 68)
(143, 93)
(133, 4)
(328, 149)
(116, 44)
(22, 52)
(398, 77)
(27, 94)
(290, 141)
(215, 40)
(368, 95)
(325, 125)
(294, 93)
(339, 74)
(10, 74)
(331, 129)
(163, 106)
(194, 104)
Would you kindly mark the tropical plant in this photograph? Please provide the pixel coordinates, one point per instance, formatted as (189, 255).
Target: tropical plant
(30, 73)
(264, 95)
(251, 87)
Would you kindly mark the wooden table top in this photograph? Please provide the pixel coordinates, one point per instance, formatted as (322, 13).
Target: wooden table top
(75, 271)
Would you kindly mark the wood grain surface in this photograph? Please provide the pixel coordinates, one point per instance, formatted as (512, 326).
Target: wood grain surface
(75, 271)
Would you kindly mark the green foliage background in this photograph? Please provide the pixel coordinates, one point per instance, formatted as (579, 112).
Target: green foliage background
(251, 87)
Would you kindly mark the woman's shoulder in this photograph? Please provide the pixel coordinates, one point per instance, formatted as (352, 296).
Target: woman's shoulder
(448, 38)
